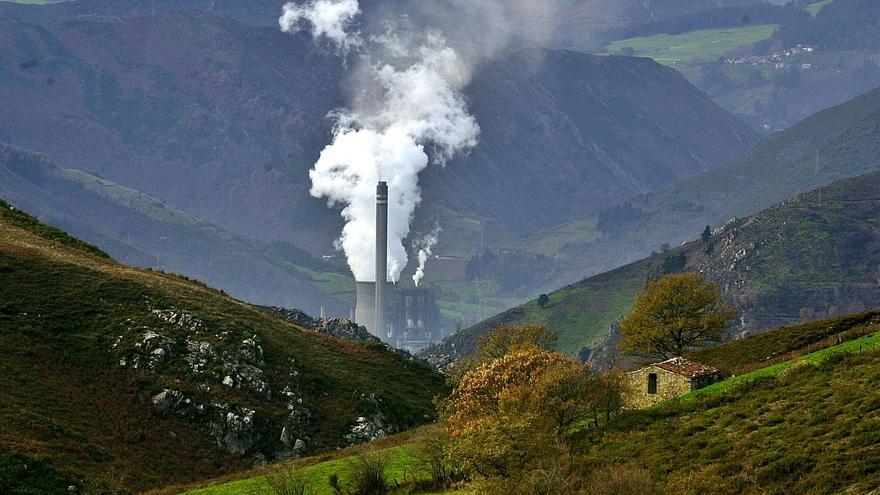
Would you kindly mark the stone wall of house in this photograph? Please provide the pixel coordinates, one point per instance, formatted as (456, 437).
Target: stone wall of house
(669, 386)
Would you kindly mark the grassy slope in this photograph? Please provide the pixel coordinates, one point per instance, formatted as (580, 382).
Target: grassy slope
(802, 254)
(701, 45)
(866, 343)
(802, 425)
(816, 7)
(141, 230)
(709, 439)
(399, 451)
(66, 401)
(786, 343)
(781, 165)
(580, 314)
(812, 431)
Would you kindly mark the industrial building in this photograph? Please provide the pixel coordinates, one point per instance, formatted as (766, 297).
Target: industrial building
(406, 318)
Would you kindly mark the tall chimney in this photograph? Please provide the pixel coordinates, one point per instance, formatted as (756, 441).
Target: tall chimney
(381, 256)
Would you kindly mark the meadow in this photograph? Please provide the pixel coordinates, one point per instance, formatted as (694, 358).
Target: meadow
(693, 46)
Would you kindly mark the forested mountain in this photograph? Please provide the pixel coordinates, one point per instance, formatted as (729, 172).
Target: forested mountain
(571, 23)
(222, 120)
(235, 116)
(838, 25)
(834, 144)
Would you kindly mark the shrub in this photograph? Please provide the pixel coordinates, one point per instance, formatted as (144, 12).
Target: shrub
(786, 470)
(621, 480)
(287, 482)
(333, 481)
(434, 460)
(554, 480)
(369, 474)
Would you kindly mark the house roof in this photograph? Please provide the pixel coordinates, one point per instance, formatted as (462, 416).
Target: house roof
(686, 368)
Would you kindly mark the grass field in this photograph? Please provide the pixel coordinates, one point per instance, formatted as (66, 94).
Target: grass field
(400, 466)
(550, 242)
(399, 452)
(816, 7)
(862, 344)
(708, 44)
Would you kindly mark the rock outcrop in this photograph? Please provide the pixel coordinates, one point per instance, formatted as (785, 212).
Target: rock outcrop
(340, 328)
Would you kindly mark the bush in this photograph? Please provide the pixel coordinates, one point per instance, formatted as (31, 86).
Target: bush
(333, 481)
(553, 480)
(434, 460)
(621, 480)
(369, 474)
(287, 482)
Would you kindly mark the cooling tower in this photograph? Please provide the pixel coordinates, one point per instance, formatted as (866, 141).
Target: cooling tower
(365, 307)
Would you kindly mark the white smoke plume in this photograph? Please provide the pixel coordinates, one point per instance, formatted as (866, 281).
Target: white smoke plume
(409, 105)
(424, 245)
(329, 19)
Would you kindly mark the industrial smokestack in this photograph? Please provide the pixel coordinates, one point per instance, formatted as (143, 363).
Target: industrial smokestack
(381, 257)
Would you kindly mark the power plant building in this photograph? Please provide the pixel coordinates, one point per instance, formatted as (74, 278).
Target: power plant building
(405, 318)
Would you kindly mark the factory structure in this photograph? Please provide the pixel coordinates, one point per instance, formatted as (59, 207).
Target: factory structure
(406, 318)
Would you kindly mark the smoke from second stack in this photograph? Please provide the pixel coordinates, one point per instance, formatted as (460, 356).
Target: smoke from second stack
(408, 104)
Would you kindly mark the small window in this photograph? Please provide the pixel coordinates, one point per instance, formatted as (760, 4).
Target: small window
(652, 383)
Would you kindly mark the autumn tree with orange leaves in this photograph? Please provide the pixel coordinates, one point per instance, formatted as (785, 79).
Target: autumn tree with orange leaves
(510, 413)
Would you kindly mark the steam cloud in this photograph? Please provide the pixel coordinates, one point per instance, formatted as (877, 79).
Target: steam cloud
(407, 105)
(328, 19)
(424, 245)
(410, 100)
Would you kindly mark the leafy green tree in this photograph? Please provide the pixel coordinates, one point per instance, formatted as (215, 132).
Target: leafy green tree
(706, 238)
(674, 315)
(673, 263)
(543, 300)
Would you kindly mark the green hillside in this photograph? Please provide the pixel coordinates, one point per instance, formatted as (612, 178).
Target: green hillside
(812, 256)
(400, 451)
(693, 46)
(808, 390)
(802, 421)
(844, 138)
(140, 230)
(131, 379)
(814, 430)
(787, 343)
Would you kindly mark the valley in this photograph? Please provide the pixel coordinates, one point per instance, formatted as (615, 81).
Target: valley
(362, 247)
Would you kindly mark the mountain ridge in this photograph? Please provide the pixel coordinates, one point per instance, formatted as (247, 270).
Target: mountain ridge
(252, 147)
(811, 256)
(141, 230)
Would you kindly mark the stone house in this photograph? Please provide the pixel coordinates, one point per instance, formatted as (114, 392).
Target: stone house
(666, 380)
